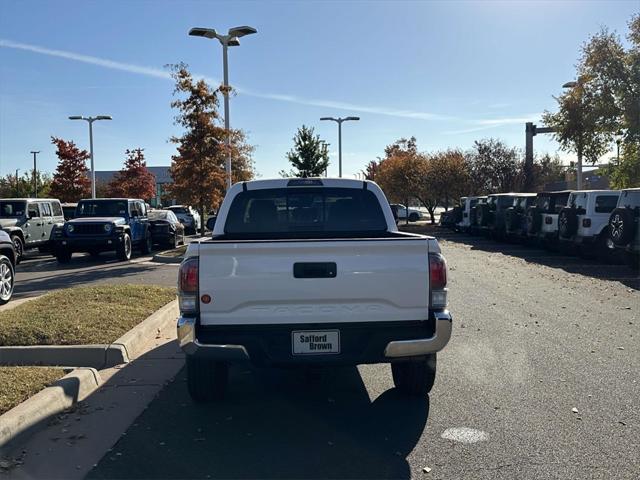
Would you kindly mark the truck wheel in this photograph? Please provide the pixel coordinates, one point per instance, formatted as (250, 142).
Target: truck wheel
(147, 245)
(124, 250)
(415, 377)
(414, 217)
(18, 245)
(63, 255)
(206, 379)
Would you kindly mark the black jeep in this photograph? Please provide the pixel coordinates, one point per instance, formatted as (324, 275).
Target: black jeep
(105, 224)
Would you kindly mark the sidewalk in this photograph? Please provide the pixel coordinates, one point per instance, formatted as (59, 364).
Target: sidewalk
(74, 442)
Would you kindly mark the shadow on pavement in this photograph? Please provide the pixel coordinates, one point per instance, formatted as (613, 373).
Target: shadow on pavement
(273, 424)
(614, 270)
(45, 283)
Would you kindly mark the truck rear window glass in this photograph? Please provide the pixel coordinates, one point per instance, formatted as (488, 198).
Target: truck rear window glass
(303, 212)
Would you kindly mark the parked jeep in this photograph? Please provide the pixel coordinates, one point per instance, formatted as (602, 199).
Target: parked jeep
(542, 217)
(491, 216)
(7, 267)
(624, 225)
(105, 224)
(516, 216)
(583, 225)
(466, 204)
(29, 222)
(474, 225)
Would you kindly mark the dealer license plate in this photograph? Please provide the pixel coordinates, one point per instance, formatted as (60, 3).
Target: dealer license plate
(314, 342)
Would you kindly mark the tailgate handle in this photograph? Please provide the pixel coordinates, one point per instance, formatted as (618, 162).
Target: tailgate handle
(315, 270)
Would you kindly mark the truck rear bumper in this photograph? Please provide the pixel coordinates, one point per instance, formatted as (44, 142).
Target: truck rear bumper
(372, 342)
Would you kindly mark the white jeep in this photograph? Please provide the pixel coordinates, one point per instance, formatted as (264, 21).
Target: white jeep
(584, 223)
(624, 226)
(467, 203)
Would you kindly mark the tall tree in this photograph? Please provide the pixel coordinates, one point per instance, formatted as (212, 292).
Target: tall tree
(371, 170)
(493, 167)
(134, 180)
(547, 169)
(70, 180)
(198, 168)
(309, 156)
(449, 176)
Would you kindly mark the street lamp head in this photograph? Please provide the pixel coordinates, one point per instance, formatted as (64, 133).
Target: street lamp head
(328, 118)
(570, 85)
(233, 42)
(241, 31)
(352, 118)
(203, 32)
(75, 117)
(104, 117)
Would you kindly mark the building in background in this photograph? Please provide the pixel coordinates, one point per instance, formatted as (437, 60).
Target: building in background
(161, 174)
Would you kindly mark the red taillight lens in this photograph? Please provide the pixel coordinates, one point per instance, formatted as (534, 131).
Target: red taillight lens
(586, 222)
(188, 276)
(437, 271)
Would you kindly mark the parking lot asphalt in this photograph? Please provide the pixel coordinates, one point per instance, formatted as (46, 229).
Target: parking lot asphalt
(540, 380)
(41, 273)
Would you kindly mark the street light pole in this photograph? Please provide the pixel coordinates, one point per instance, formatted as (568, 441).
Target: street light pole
(90, 121)
(579, 146)
(339, 121)
(228, 40)
(35, 178)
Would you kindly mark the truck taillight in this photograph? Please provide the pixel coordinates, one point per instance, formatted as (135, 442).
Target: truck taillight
(438, 280)
(188, 286)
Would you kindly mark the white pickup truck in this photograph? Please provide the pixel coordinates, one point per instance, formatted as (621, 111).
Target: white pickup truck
(311, 272)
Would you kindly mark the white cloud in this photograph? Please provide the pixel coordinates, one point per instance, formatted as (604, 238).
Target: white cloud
(486, 124)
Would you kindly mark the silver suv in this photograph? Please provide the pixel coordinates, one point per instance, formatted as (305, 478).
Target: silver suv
(29, 222)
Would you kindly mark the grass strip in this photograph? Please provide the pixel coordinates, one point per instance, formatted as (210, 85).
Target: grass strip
(81, 315)
(19, 383)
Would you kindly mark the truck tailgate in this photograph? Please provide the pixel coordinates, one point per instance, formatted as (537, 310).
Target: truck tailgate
(333, 281)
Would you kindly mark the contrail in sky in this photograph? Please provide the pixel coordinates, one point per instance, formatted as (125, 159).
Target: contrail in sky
(331, 104)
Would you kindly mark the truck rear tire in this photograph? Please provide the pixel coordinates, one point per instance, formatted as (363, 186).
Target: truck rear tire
(206, 379)
(415, 377)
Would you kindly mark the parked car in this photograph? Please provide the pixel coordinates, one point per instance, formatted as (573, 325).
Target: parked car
(467, 203)
(451, 218)
(105, 224)
(624, 226)
(211, 220)
(30, 222)
(311, 272)
(516, 217)
(414, 214)
(69, 210)
(8, 260)
(474, 226)
(165, 228)
(188, 216)
(542, 217)
(583, 225)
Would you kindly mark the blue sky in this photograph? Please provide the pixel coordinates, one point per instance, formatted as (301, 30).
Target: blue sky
(446, 72)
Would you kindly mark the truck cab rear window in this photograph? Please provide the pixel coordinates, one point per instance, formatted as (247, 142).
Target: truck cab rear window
(304, 212)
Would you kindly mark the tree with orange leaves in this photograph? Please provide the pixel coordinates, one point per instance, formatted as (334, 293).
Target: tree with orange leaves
(70, 181)
(134, 180)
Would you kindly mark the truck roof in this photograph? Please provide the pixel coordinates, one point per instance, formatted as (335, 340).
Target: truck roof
(306, 182)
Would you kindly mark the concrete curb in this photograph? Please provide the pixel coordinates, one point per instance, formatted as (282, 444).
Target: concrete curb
(134, 340)
(166, 259)
(64, 393)
(123, 350)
